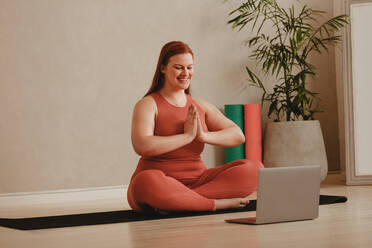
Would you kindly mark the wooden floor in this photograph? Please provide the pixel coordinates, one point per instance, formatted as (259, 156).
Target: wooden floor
(339, 225)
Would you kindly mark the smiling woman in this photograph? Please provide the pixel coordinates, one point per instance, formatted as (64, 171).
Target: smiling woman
(171, 55)
(169, 130)
(178, 73)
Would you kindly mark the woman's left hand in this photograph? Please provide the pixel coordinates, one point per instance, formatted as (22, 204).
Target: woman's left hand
(220, 131)
(201, 135)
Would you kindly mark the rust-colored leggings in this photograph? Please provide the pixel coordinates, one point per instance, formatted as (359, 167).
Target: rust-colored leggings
(153, 189)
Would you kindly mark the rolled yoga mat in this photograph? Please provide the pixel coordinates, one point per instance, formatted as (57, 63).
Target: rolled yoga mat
(252, 131)
(235, 112)
(125, 216)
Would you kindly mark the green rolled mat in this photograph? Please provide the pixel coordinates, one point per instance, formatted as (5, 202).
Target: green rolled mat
(235, 112)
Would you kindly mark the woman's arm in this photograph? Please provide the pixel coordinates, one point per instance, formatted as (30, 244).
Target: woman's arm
(145, 143)
(222, 131)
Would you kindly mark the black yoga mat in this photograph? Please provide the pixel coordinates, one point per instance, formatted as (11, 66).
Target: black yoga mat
(124, 216)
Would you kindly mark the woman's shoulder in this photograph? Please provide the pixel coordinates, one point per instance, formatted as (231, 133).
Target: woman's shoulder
(147, 103)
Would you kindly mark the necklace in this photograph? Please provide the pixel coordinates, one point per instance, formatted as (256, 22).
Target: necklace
(179, 103)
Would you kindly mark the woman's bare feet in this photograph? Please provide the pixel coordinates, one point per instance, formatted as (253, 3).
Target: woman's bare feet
(230, 203)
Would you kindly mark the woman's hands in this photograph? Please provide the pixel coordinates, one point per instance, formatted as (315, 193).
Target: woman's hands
(190, 126)
(201, 135)
(221, 130)
(193, 126)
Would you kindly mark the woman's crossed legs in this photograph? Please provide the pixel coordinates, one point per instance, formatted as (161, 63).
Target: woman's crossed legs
(222, 187)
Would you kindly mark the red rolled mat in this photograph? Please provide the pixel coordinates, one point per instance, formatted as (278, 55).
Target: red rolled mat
(252, 131)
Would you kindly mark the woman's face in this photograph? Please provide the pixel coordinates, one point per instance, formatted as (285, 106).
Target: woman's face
(179, 70)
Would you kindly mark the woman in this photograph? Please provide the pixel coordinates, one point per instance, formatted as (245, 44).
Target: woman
(169, 130)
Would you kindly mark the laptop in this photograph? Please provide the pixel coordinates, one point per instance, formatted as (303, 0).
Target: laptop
(286, 194)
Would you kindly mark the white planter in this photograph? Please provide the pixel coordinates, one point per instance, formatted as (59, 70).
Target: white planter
(295, 143)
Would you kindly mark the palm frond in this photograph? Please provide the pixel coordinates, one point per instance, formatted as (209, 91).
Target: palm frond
(284, 53)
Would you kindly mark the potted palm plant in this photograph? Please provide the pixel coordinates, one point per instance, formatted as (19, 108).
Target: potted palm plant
(294, 137)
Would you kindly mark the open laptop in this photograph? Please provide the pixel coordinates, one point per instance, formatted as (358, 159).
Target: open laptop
(286, 194)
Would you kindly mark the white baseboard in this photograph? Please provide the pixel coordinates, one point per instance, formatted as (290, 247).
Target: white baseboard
(63, 196)
(334, 172)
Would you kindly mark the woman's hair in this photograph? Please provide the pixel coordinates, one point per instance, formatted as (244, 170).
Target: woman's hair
(170, 49)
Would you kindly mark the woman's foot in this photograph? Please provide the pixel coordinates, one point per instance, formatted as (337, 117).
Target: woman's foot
(230, 203)
(162, 212)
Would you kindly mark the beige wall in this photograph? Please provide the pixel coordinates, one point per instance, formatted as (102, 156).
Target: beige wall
(338, 9)
(71, 71)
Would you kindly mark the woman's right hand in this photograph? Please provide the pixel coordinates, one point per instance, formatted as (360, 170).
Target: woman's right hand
(191, 126)
(146, 143)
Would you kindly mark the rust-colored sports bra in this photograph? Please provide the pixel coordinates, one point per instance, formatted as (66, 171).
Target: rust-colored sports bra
(184, 163)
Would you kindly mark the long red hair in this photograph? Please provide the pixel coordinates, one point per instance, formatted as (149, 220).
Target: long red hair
(170, 49)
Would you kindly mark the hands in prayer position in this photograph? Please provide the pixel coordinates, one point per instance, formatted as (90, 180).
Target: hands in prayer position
(193, 126)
